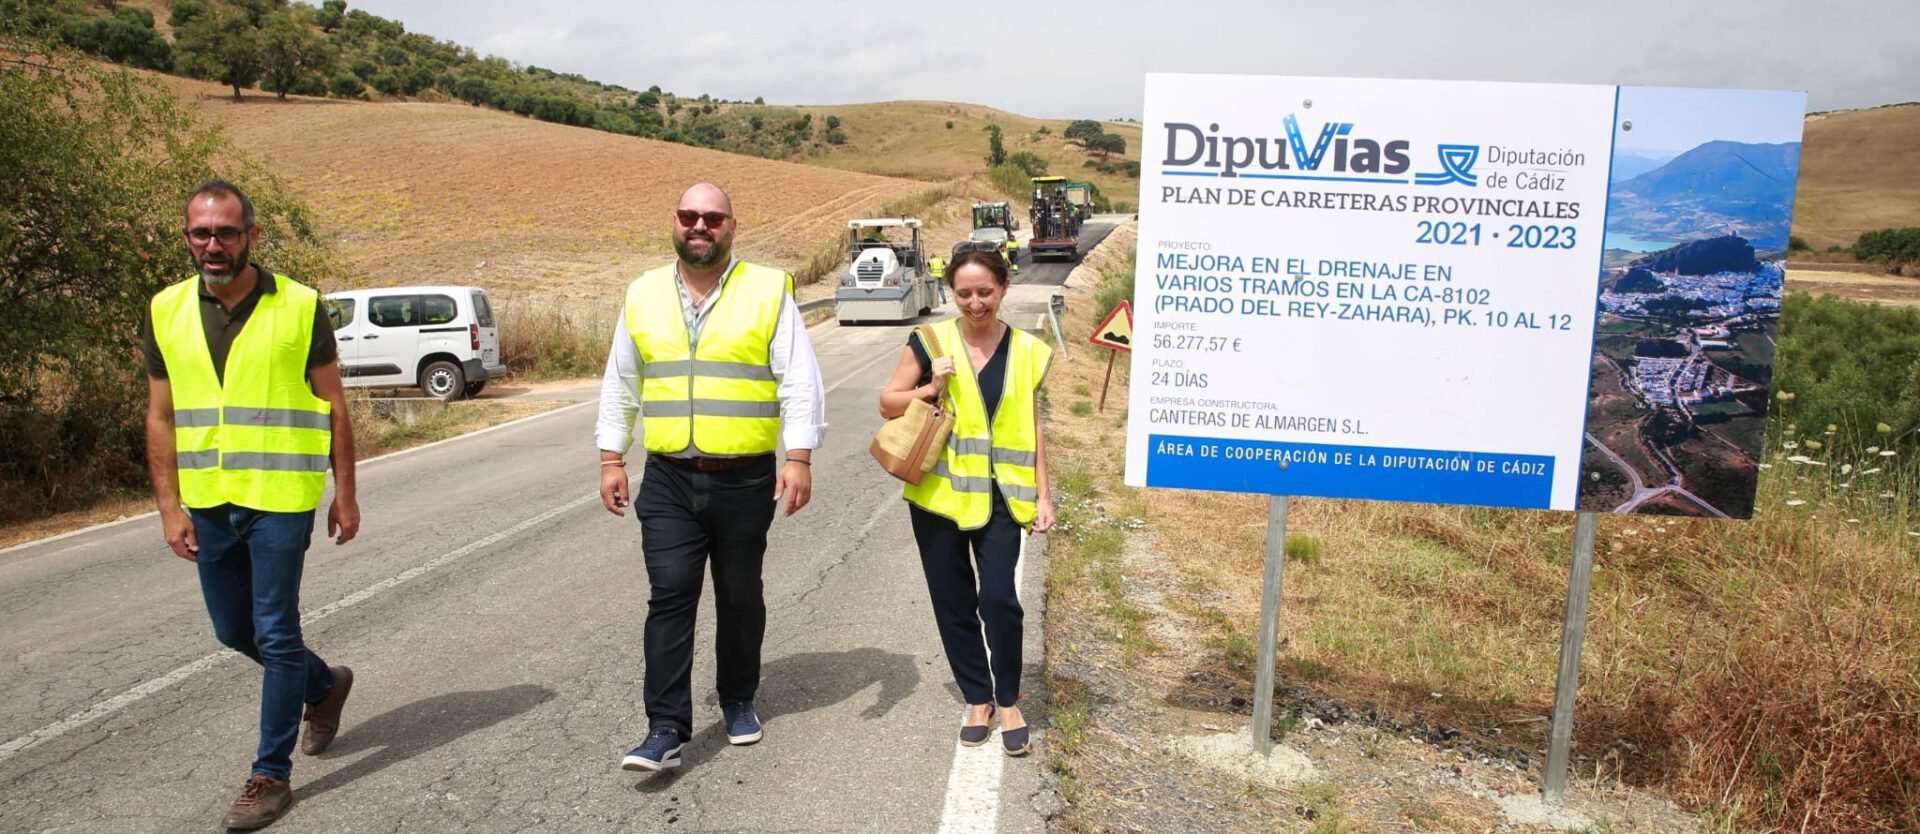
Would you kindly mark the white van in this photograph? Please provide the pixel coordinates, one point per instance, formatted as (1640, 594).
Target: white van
(441, 339)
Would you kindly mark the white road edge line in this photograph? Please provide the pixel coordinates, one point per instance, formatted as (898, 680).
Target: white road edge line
(972, 805)
(148, 689)
(118, 521)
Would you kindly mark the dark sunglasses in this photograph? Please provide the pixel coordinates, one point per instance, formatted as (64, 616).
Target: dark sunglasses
(688, 218)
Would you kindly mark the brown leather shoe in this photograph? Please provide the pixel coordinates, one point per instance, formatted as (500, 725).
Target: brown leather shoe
(323, 719)
(261, 802)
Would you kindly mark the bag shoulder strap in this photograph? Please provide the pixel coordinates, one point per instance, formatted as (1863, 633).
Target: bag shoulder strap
(931, 341)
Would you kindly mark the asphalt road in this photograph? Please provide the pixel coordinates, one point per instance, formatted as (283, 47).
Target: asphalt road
(492, 611)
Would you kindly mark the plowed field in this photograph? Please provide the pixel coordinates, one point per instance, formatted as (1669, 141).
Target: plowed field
(446, 193)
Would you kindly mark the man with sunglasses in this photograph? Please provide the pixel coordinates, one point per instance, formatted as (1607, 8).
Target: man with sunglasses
(245, 413)
(712, 354)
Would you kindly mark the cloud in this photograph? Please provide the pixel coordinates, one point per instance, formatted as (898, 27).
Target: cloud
(1844, 53)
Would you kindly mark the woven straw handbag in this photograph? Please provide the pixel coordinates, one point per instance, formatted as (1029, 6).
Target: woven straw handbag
(908, 445)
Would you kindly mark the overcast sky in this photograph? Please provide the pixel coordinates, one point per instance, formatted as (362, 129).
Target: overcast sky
(1077, 59)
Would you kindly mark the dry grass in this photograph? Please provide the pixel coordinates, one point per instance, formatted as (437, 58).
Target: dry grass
(415, 193)
(1859, 171)
(375, 433)
(1892, 290)
(910, 139)
(1767, 672)
(555, 338)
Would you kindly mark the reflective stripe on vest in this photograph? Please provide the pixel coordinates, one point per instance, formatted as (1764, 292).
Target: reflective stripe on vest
(979, 457)
(719, 397)
(259, 439)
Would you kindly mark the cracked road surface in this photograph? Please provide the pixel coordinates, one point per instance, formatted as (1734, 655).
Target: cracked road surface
(492, 613)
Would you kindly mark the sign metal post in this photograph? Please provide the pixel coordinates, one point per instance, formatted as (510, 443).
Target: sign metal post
(1572, 635)
(1269, 625)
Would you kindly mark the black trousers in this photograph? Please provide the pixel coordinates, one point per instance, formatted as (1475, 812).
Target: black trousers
(688, 520)
(963, 603)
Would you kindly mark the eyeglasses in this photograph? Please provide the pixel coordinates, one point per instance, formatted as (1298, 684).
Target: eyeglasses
(227, 235)
(688, 217)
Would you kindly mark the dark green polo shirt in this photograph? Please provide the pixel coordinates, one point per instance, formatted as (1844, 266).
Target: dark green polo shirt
(222, 325)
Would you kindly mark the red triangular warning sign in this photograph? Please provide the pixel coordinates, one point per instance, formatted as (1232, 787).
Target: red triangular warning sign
(1117, 331)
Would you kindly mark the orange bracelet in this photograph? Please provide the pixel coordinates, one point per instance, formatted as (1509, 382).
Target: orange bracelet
(613, 463)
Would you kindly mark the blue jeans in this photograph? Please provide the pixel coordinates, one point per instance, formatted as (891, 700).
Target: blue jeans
(250, 564)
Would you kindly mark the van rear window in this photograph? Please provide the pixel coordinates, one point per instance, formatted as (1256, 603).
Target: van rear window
(482, 311)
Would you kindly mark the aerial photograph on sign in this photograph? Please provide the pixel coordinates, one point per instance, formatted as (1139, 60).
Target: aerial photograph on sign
(1697, 219)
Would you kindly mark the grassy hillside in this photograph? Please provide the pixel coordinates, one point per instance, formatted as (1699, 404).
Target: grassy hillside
(421, 192)
(1859, 171)
(912, 139)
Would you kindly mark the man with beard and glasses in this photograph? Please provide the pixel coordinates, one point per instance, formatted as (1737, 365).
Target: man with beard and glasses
(712, 354)
(244, 414)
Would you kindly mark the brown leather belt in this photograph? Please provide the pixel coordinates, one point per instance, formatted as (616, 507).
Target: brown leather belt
(715, 464)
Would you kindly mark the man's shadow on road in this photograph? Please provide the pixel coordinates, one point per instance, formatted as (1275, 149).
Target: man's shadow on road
(802, 683)
(405, 732)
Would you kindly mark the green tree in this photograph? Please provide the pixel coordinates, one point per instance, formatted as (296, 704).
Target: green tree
(996, 150)
(1107, 143)
(128, 37)
(291, 53)
(345, 84)
(332, 13)
(1029, 163)
(185, 11)
(1083, 130)
(833, 122)
(98, 163)
(223, 45)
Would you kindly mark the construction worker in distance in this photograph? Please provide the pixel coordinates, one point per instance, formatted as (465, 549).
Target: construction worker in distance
(937, 268)
(1013, 252)
(245, 413)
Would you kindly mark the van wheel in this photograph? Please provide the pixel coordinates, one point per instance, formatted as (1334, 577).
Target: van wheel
(474, 388)
(443, 381)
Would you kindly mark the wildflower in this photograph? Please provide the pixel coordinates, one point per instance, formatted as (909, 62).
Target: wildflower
(1814, 445)
(1785, 396)
(1790, 445)
(1831, 428)
(1873, 471)
(1853, 521)
(1792, 428)
(1762, 466)
(1845, 485)
(1913, 533)
(1795, 502)
(1886, 495)
(1883, 428)
(1887, 453)
(1803, 460)
(1872, 449)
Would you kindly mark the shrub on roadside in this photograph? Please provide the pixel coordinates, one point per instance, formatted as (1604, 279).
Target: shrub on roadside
(102, 163)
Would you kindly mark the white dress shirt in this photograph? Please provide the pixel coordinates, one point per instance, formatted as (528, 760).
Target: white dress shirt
(803, 399)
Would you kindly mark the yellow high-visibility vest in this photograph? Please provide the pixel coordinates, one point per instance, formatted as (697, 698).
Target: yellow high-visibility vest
(978, 455)
(720, 396)
(260, 439)
(937, 268)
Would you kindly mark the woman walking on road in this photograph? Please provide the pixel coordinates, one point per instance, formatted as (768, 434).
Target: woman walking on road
(990, 482)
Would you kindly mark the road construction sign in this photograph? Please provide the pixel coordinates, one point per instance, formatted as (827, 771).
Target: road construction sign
(1117, 331)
